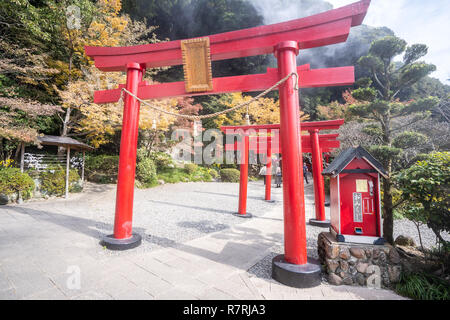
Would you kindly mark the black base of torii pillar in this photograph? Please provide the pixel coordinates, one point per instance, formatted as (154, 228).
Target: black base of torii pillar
(298, 276)
(319, 223)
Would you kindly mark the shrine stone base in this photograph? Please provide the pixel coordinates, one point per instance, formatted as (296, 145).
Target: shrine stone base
(358, 264)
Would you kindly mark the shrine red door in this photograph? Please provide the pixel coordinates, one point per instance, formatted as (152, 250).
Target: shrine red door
(358, 204)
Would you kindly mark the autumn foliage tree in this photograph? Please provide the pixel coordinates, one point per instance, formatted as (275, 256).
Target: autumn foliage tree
(261, 111)
(337, 110)
(20, 120)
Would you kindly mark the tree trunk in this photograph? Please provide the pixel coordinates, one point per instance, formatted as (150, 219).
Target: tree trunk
(388, 219)
(65, 129)
(420, 235)
(1, 150)
(17, 152)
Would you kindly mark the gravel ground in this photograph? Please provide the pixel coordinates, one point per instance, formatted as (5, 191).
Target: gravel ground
(165, 216)
(171, 214)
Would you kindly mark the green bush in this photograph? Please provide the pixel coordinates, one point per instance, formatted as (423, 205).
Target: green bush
(229, 175)
(213, 173)
(424, 189)
(200, 174)
(102, 168)
(53, 181)
(422, 286)
(103, 163)
(146, 172)
(162, 160)
(173, 175)
(190, 168)
(13, 181)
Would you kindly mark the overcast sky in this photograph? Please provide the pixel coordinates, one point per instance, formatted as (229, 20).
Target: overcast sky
(416, 21)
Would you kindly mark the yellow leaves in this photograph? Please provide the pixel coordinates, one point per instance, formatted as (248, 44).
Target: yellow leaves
(106, 33)
(163, 121)
(106, 30)
(262, 111)
(111, 7)
(100, 122)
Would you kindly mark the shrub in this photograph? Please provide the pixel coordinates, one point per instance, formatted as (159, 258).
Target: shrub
(13, 181)
(200, 174)
(424, 189)
(190, 168)
(229, 175)
(146, 172)
(53, 181)
(162, 160)
(206, 177)
(102, 168)
(213, 173)
(422, 286)
(173, 175)
(105, 164)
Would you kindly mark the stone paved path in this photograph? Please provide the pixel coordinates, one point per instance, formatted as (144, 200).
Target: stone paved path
(45, 245)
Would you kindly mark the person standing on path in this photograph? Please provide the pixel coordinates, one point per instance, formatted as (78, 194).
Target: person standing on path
(278, 177)
(305, 172)
(263, 173)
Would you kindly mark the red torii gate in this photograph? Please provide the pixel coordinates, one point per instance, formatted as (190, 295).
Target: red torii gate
(284, 40)
(313, 143)
(267, 147)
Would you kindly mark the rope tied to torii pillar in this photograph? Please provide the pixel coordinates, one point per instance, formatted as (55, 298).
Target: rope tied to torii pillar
(212, 115)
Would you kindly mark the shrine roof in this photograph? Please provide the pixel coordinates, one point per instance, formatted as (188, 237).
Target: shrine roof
(63, 142)
(347, 156)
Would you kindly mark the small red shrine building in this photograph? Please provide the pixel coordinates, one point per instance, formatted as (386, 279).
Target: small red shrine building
(355, 197)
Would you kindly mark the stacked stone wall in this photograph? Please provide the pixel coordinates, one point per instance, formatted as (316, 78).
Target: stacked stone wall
(358, 264)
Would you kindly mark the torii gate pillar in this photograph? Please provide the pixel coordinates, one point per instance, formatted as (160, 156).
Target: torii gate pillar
(292, 268)
(242, 212)
(319, 190)
(123, 237)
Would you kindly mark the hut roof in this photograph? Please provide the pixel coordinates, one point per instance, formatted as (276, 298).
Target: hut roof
(346, 156)
(63, 142)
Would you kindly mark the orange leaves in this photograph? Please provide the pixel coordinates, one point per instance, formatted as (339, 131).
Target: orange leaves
(336, 110)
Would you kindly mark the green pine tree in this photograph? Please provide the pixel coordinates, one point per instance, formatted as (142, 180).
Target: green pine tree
(378, 102)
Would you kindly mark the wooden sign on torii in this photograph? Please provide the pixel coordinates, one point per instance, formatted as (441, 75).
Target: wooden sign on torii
(284, 40)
